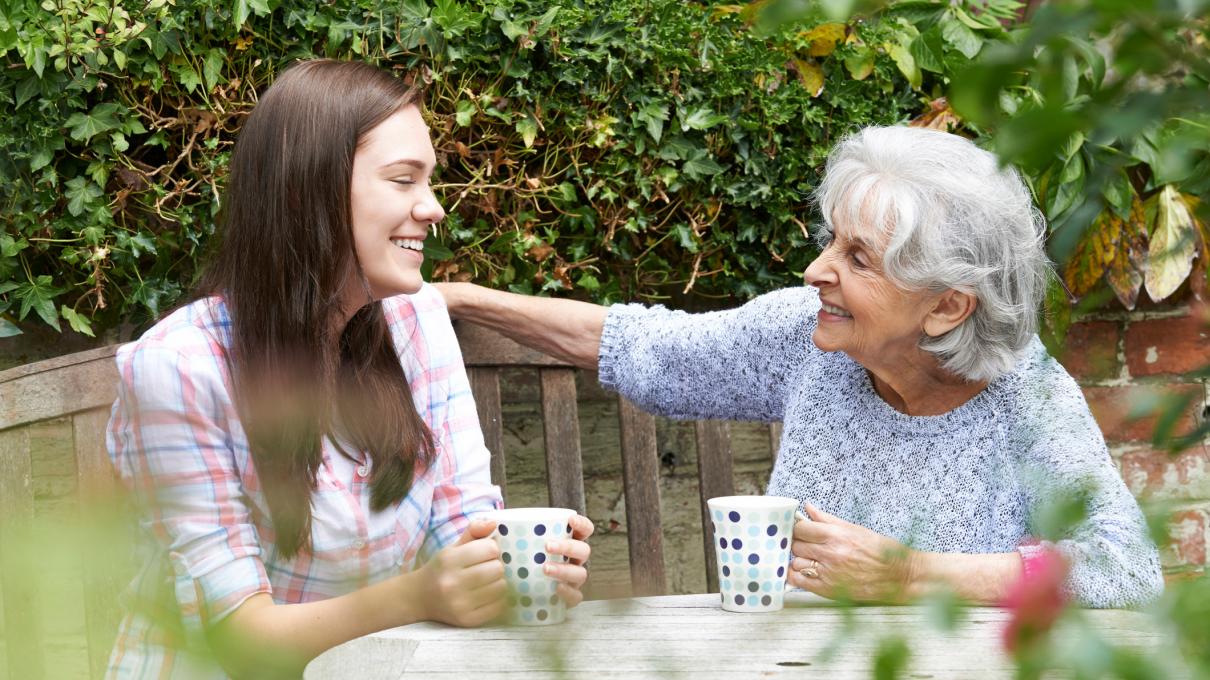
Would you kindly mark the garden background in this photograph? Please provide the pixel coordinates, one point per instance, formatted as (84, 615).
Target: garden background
(641, 150)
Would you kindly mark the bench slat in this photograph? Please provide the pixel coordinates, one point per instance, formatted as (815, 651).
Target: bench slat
(22, 617)
(775, 430)
(485, 386)
(98, 501)
(641, 479)
(485, 347)
(561, 431)
(35, 393)
(714, 473)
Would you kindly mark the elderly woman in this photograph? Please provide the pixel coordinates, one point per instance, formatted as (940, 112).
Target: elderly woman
(925, 423)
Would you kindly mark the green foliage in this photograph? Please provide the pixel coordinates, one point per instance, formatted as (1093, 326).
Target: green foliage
(1104, 105)
(601, 149)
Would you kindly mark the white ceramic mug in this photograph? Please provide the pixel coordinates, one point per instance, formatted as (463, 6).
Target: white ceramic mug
(752, 537)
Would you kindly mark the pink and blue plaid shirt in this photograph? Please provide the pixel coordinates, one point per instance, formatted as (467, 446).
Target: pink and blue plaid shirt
(176, 441)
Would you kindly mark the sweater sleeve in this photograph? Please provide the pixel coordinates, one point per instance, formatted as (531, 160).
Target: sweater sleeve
(1113, 561)
(736, 364)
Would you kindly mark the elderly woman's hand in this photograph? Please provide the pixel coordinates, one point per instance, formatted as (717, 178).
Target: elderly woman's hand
(571, 574)
(835, 558)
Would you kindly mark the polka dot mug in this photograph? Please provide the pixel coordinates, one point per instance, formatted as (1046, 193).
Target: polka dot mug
(522, 534)
(752, 536)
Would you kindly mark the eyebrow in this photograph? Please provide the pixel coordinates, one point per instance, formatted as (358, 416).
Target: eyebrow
(858, 241)
(411, 162)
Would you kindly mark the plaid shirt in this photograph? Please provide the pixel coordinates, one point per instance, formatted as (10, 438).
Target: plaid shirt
(176, 441)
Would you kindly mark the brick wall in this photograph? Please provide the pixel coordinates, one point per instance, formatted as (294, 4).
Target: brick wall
(1130, 364)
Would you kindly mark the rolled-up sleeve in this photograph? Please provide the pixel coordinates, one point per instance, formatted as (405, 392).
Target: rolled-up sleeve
(168, 438)
(461, 471)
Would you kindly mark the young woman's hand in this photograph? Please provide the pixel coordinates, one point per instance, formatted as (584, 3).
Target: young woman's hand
(571, 574)
(464, 583)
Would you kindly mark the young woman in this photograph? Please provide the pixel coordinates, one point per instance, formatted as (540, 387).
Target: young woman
(301, 440)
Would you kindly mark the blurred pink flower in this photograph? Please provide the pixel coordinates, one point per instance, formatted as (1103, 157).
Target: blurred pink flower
(1036, 600)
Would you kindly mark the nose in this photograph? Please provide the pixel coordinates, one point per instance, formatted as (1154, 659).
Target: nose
(428, 210)
(821, 271)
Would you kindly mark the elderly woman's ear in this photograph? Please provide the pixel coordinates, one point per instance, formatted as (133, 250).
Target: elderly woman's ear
(949, 311)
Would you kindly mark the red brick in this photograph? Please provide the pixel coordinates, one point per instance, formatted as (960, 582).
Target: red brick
(1128, 413)
(1090, 351)
(1187, 545)
(1163, 475)
(1167, 346)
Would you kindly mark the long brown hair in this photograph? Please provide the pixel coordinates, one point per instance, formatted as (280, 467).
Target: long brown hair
(286, 250)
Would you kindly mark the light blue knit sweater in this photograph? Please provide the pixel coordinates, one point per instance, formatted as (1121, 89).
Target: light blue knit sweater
(963, 482)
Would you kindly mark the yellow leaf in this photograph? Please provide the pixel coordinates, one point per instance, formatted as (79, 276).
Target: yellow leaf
(1096, 250)
(811, 76)
(824, 38)
(747, 13)
(1173, 245)
(1124, 274)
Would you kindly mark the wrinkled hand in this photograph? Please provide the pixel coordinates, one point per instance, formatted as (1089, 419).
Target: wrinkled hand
(465, 582)
(571, 574)
(848, 560)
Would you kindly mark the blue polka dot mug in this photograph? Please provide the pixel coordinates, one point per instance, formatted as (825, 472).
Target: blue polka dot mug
(522, 534)
(752, 536)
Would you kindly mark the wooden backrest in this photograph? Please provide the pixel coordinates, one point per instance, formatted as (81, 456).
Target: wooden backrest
(81, 387)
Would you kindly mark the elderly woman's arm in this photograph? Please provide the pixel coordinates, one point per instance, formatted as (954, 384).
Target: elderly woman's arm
(1113, 561)
(734, 364)
(565, 329)
(836, 558)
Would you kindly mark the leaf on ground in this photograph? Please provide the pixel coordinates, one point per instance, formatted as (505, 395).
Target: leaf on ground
(1172, 247)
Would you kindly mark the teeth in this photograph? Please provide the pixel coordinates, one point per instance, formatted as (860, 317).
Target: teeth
(836, 310)
(409, 243)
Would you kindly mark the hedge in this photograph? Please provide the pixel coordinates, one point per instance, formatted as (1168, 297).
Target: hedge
(604, 149)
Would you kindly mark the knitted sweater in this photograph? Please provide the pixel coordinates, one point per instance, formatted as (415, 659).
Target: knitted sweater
(967, 481)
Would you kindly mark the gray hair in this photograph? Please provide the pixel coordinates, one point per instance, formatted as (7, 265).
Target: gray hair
(956, 220)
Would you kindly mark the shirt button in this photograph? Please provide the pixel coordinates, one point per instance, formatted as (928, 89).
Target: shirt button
(359, 544)
(362, 470)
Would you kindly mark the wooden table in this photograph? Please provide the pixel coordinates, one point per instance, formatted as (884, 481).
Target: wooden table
(690, 636)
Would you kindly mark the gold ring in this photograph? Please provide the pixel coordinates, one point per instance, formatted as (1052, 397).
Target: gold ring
(811, 571)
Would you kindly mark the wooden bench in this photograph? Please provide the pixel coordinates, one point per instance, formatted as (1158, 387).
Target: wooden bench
(81, 387)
